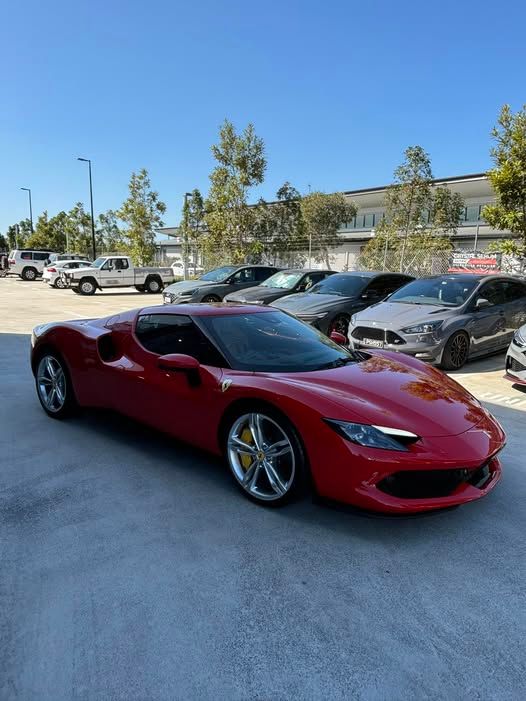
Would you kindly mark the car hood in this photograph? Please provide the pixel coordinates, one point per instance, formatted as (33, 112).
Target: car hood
(386, 390)
(252, 293)
(309, 303)
(188, 285)
(397, 315)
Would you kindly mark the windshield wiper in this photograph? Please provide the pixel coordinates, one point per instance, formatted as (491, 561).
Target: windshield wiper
(338, 363)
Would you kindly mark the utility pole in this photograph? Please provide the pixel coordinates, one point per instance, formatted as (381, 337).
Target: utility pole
(28, 190)
(185, 235)
(93, 246)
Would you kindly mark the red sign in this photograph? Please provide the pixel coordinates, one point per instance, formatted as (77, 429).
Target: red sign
(479, 262)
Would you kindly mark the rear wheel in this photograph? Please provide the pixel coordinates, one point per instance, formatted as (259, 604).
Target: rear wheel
(59, 283)
(265, 457)
(340, 323)
(211, 298)
(153, 285)
(54, 388)
(87, 286)
(456, 351)
(29, 274)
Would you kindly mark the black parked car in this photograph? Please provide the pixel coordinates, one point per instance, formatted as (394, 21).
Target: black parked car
(281, 284)
(214, 285)
(330, 304)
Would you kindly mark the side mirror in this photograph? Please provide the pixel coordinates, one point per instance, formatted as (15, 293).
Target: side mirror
(178, 362)
(338, 338)
(482, 303)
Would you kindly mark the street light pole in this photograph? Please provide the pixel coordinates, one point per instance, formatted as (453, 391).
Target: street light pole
(185, 235)
(93, 246)
(28, 190)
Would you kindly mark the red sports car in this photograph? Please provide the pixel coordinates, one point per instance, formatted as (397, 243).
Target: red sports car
(284, 404)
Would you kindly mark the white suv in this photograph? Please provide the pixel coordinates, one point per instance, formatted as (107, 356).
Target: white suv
(27, 263)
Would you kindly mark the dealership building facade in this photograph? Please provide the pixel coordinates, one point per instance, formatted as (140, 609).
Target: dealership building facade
(473, 232)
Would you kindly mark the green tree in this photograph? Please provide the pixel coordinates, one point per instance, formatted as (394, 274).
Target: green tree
(508, 178)
(323, 216)
(141, 212)
(241, 165)
(24, 232)
(49, 232)
(192, 224)
(3, 243)
(418, 217)
(279, 231)
(78, 230)
(109, 235)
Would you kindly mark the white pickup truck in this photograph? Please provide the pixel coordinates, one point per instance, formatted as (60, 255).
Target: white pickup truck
(116, 271)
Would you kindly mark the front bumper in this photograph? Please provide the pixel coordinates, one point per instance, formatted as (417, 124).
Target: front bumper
(169, 298)
(422, 346)
(516, 364)
(435, 473)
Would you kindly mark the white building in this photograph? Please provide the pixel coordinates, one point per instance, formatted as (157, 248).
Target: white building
(473, 232)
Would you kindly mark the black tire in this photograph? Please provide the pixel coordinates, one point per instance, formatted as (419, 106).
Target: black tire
(139, 288)
(87, 286)
(29, 274)
(210, 299)
(340, 323)
(456, 351)
(293, 473)
(58, 284)
(68, 406)
(153, 285)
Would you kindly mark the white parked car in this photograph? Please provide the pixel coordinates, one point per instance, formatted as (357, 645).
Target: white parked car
(191, 268)
(52, 272)
(116, 271)
(56, 257)
(28, 263)
(516, 358)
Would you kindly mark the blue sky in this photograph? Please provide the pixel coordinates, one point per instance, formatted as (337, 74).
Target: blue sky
(337, 90)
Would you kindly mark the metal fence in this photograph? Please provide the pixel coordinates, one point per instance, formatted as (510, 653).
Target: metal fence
(416, 262)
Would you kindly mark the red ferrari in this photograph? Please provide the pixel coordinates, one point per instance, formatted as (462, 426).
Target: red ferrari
(284, 404)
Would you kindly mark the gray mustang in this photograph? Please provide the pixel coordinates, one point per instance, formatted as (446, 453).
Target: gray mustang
(445, 319)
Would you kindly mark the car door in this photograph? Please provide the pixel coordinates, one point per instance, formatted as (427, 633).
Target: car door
(241, 279)
(488, 326)
(168, 400)
(515, 294)
(309, 280)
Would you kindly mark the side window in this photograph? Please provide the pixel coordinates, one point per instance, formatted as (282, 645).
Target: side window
(381, 287)
(244, 275)
(261, 274)
(109, 264)
(25, 255)
(494, 292)
(310, 280)
(121, 264)
(176, 333)
(515, 291)
(40, 256)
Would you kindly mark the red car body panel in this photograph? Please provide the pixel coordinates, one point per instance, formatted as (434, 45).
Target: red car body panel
(387, 389)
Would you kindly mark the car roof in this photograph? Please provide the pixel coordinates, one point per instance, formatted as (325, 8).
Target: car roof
(207, 309)
(372, 274)
(306, 270)
(466, 277)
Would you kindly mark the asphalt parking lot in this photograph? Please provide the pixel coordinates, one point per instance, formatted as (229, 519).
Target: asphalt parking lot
(132, 569)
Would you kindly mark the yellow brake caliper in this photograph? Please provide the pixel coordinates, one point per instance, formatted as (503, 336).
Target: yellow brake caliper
(246, 437)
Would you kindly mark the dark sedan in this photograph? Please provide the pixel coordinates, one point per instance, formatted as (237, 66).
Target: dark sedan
(281, 284)
(214, 285)
(330, 304)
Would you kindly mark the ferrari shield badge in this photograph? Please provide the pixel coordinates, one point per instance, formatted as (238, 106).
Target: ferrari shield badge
(225, 385)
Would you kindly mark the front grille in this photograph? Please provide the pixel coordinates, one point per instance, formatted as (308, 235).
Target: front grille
(376, 334)
(427, 484)
(514, 365)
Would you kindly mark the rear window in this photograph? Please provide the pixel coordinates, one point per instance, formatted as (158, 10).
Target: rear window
(37, 255)
(25, 255)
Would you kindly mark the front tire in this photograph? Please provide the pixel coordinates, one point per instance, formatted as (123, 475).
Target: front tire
(456, 351)
(87, 286)
(265, 457)
(210, 299)
(54, 387)
(153, 285)
(59, 284)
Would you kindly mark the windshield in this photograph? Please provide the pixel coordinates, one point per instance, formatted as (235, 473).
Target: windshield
(219, 274)
(343, 285)
(274, 342)
(281, 280)
(441, 291)
(99, 262)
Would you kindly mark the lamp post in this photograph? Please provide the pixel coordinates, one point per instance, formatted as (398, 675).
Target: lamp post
(185, 235)
(28, 190)
(93, 246)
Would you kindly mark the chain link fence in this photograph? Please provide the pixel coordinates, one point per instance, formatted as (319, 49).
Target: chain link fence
(416, 262)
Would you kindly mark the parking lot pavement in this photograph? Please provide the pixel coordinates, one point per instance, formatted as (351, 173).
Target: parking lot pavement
(132, 569)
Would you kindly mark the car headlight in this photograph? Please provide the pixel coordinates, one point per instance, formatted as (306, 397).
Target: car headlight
(428, 327)
(520, 336)
(255, 301)
(369, 436)
(353, 320)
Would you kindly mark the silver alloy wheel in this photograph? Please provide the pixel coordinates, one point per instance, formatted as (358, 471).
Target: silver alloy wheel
(59, 283)
(51, 383)
(87, 287)
(153, 286)
(30, 274)
(261, 456)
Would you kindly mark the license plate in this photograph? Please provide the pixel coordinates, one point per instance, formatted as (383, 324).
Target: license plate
(372, 342)
(167, 299)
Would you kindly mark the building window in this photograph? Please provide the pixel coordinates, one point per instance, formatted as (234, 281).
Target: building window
(368, 221)
(473, 213)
